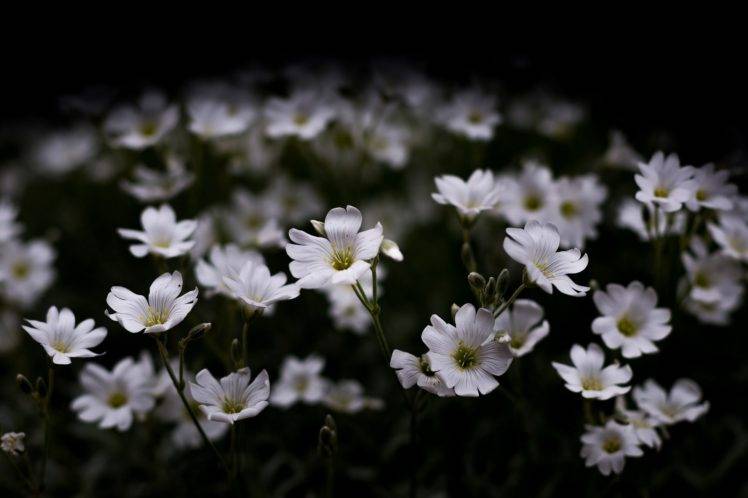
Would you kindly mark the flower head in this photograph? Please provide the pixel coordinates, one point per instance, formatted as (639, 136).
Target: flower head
(680, 404)
(463, 355)
(253, 220)
(607, 447)
(644, 425)
(163, 310)
(478, 193)
(138, 127)
(732, 236)
(25, 271)
(340, 257)
(663, 182)
(257, 289)
(224, 261)
(521, 326)
(300, 380)
(9, 229)
(471, 113)
(151, 185)
(710, 189)
(416, 370)
(576, 209)
(62, 339)
(305, 114)
(347, 396)
(588, 376)
(527, 195)
(13, 443)
(220, 111)
(233, 398)
(162, 235)
(536, 247)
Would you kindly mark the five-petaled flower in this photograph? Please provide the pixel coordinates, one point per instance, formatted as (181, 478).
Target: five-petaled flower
(62, 339)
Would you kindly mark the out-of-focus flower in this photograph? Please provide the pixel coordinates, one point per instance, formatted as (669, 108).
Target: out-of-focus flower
(631, 216)
(62, 339)
(416, 370)
(471, 113)
(256, 289)
(220, 112)
(142, 125)
(62, 151)
(545, 114)
(576, 209)
(163, 310)
(253, 220)
(664, 183)
(150, 185)
(464, 356)
(25, 271)
(620, 153)
(162, 235)
(9, 229)
(113, 398)
(711, 277)
(296, 201)
(479, 193)
(347, 396)
(10, 324)
(234, 398)
(710, 189)
(643, 424)
(224, 261)
(304, 114)
(682, 403)
(300, 380)
(341, 257)
(206, 234)
(588, 376)
(526, 196)
(345, 308)
(607, 447)
(13, 443)
(536, 247)
(521, 326)
(732, 236)
(630, 319)
(389, 143)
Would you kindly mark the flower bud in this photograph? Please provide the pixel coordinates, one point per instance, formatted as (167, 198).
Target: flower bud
(490, 289)
(502, 283)
(453, 310)
(476, 281)
(24, 384)
(41, 387)
(319, 227)
(236, 354)
(199, 331)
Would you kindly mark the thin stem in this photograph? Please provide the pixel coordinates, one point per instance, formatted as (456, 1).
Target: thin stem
(329, 476)
(20, 472)
(45, 405)
(414, 444)
(511, 299)
(245, 344)
(232, 450)
(164, 354)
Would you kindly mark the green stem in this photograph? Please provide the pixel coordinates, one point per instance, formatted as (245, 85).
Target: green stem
(414, 444)
(511, 300)
(45, 405)
(245, 344)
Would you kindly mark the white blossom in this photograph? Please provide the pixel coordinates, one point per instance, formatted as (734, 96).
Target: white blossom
(522, 326)
(588, 376)
(232, 399)
(13, 443)
(471, 113)
(664, 183)
(680, 404)
(731, 234)
(224, 261)
(62, 339)
(710, 189)
(25, 271)
(526, 197)
(300, 380)
(256, 289)
(416, 370)
(151, 185)
(142, 125)
(479, 193)
(608, 446)
(162, 234)
(304, 114)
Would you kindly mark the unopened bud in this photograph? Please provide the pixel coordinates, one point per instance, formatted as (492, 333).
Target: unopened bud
(490, 288)
(24, 384)
(502, 283)
(199, 331)
(594, 285)
(236, 354)
(41, 387)
(453, 310)
(476, 281)
(319, 227)
(330, 422)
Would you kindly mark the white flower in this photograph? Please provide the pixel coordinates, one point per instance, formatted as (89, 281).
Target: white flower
(62, 339)
(732, 236)
(620, 153)
(12, 443)
(253, 220)
(711, 190)
(224, 261)
(643, 424)
(305, 114)
(162, 311)
(389, 144)
(416, 370)
(521, 326)
(220, 113)
(150, 185)
(300, 380)
(138, 127)
(63, 151)
(536, 247)
(341, 257)
(471, 113)
(576, 209)
(296, 201)
(526, 196)
(257, 289)
(608, 446)
(588, 376)
(712, 277)
(234, 398)
(10, 324)
(715, 312)
(9, 229)
(464, 356)
(162, 235)
(345, 308)
(347, 396)
(478, 193)
(682, 403)
(25, 271)
(114, 397)
(630, 319)
(631, 216)
(663, 182)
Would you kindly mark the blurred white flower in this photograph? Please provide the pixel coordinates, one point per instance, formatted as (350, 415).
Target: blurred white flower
(471, 113)
(526, 196)
(206, 234)
(588, 376)
(296, 201)
(256, 289)
(347, 396)
(300, 380)
(732, 236)
(163, 310)
(10, 324)
(345, 308)
(341, 257)
(631, 216)
(13, 443)
(681, 404)
(9, 229)
(25, 271)
(304, 114)
(234, 398)
(536, 247)
(664, 183)
(224, 261)
(711, 277)
(608, 446)
(478, 193)
(464, 356)
(62, 339)
(389, 143)
(253, 220)
(710, 189)
(151, 185)
(416, 370)
(113, 398)
(162, 235)
(142, 125)
(521, 326)
(620, 153)
(630, 321)
(576, 209)
(219, 113)
(62, 151)
(643, 424)
(715, 312)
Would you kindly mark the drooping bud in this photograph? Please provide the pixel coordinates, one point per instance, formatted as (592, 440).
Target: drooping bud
(453, 310)
(390, 249)
(502, 283)
(41, 387)
(476, 281)
(319, 227)
(199, 331)
(328, 438)
(24, 384)
(489, 290)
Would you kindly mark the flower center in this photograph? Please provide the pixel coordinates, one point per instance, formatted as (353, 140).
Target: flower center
(544, 268)
(701, 280)
(568, 209)
(465, 356)
(532, 203)
(117, 399)
(155, 317)
(148, 129)
(425, 367)
(475, 117)
(592, 384)
(300, 119)
(253, 221)
(661, 192)
(342, 259)
(301, 383)
(60, 346)
(232, 406)
(20, 270)
(701, 195)
(627, 327)
(612, 444)
(517, 341)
